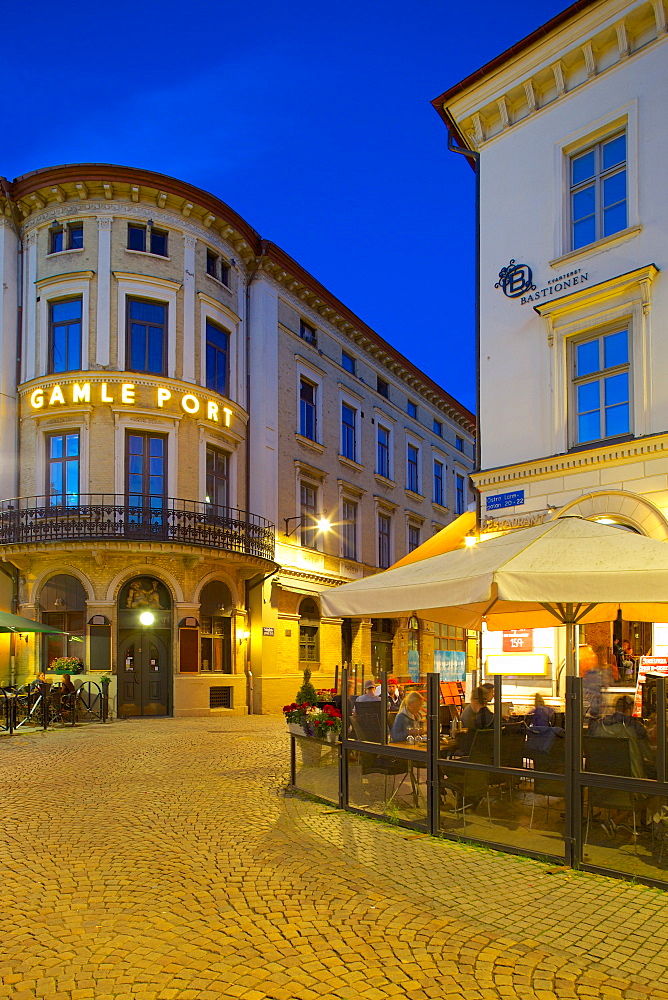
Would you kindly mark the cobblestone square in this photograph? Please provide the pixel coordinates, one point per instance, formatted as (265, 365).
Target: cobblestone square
(161, 860)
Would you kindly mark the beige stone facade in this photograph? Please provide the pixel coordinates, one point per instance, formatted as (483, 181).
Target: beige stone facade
(155, 446)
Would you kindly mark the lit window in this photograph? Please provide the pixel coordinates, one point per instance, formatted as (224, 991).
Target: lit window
(598, 191)
(601, 387)
(348, 443)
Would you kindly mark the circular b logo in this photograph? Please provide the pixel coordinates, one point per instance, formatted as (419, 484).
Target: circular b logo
(515, 280)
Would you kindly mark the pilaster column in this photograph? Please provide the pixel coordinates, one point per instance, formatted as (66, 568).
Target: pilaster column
(189, 324)
(103, 289)
(30, 312)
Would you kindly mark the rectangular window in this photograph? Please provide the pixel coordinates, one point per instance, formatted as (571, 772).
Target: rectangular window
(437, 428)
(217, 267)
(349, 530)
(307, 333)
(308, 496)
(217, 480)
(598, 191)
(62, 474)
(147, 328)
(65, 336)
(601, 387)
(307, 409)
(411, 409)
(384, 529)
(459, 494)
(382, 387)
(413, 537)
(348, 362)
(67, 237)
(383, 452)
(348, 436)
(217, 358)
(459, 443)
(147, 240)
(438, 483)
(215, 644)
(412, 469)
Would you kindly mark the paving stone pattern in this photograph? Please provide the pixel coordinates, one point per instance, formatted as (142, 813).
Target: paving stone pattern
(160, 860)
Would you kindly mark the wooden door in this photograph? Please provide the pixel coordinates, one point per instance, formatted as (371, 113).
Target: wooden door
(143, 675)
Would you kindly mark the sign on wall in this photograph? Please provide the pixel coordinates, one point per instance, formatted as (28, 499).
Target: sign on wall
(501, 500)
(516, 282)
(518, 640)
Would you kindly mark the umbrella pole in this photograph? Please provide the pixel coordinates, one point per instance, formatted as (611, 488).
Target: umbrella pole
(571, 651)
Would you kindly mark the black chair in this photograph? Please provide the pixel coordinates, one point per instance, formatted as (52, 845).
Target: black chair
(471, 786)
(614, 755)
(553, 761)
(366, 723)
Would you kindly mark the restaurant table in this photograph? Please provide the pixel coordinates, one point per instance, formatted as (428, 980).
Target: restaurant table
(446, 746)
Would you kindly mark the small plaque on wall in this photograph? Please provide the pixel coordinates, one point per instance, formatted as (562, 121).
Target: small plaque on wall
(267, 630)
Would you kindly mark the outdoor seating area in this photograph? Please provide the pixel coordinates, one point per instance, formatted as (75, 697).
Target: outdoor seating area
(41, 705)
(505, 784)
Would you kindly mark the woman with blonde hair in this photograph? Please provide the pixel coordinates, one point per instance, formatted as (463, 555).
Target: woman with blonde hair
(409, 718)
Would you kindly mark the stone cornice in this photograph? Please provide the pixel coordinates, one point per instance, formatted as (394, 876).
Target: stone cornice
(654, 446)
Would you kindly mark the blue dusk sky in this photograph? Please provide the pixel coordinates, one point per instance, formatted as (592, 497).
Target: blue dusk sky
(313, 122)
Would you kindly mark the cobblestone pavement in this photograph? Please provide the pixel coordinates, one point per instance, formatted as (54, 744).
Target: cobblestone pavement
(159, 860)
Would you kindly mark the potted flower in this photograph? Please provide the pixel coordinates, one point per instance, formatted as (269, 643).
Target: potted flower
(295, 716)
(325, 724)
(67, 665)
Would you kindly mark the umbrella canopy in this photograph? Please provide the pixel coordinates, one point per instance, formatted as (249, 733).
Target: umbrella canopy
(445, 540)
(14, 623)
(566, 571)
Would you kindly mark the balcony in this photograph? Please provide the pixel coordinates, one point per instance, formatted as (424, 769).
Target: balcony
(103, 517)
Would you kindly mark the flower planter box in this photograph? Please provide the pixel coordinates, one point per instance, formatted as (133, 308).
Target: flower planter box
(295, 729)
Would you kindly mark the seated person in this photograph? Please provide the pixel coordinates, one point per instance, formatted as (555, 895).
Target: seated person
(39, 684)
(409, 720)
(394, 695)
(369, 691)
(476, 715)
(623, 714)
(622, 724)
(337, 700)
(542, 714)
(67, 687)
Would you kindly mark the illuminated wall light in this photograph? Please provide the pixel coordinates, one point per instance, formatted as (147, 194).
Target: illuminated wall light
(470, 541)
(147, 618)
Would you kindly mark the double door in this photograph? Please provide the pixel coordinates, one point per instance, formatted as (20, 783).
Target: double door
(143, 675)
(145, 484)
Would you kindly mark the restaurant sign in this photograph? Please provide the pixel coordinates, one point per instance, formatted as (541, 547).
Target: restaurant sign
(126, 394)
(501, 500)
(648, 665)
(518, 640)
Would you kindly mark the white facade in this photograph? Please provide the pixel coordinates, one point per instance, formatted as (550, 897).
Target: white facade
(556, 437)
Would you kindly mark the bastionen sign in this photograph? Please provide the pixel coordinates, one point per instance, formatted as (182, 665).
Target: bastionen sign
(516, 282)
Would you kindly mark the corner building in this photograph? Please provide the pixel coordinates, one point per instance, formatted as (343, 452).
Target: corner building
(569, 128)
(172, 389)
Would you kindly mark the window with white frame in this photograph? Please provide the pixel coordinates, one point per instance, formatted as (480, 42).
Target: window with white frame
(384, 540)
(601, 387)
(412, 468)
(349, 529)
(383, 452)
(413, 537)
(62, 468)
(598, 191)
(348, 432)
(438, 493)
(307, 409)
(65, 335)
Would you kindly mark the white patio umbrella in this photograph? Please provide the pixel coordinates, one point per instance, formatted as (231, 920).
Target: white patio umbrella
(567, 572)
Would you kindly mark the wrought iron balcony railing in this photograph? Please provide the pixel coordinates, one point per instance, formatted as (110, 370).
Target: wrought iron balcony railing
(104, 517)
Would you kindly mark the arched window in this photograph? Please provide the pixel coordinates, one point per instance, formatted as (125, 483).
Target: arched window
(215, 628)
(309, 629)
(63, 606)
(413, 634)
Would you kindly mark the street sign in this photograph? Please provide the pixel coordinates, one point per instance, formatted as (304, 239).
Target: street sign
(518, 640)
(501, 500)
(267, 630)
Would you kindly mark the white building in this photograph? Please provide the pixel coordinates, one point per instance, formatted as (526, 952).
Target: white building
(569, 128)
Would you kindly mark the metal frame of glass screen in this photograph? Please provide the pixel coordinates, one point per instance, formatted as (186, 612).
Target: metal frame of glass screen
(575, 777)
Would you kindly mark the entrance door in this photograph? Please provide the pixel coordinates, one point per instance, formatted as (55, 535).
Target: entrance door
(143, 675)
(145, 484)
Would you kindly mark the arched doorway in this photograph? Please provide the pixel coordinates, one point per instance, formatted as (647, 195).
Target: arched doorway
(215, 628)
(63, 606)
(144, 648)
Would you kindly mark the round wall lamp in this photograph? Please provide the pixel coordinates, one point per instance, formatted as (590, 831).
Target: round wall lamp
(147, 618)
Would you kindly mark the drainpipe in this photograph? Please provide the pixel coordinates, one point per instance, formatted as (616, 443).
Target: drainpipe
(472, 154)
(251, 278)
